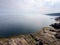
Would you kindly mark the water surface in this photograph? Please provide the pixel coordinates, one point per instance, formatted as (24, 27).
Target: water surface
(23, 24)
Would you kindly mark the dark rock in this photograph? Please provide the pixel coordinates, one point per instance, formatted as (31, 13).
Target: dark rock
(57, 19)
(56, 25)
(53, 30)
(40, 43)
(57, 35)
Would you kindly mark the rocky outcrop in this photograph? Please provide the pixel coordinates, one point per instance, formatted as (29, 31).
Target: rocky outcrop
(56, 25)
(46, 36)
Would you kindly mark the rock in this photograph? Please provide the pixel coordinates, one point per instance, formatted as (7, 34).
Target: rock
(56, 25)
(57, 35)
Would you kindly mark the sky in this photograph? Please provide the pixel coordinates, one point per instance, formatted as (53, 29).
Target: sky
(29, 6)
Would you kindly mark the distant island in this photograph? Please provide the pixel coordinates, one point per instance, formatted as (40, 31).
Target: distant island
(53, 14)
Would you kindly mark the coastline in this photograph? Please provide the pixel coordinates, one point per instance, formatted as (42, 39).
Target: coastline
(42, 37)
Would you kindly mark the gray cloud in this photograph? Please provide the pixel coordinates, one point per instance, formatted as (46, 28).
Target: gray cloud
(40, 6)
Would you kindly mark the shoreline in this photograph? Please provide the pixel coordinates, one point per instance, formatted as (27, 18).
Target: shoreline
(41, 37)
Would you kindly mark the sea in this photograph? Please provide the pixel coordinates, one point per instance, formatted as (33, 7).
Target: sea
(11, 25)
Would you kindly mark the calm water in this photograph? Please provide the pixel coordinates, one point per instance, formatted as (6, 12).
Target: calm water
(23, 24)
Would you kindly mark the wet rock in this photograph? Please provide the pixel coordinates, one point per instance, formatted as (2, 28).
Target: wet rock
(39, 43)
(57, 35)
(56, 25)
(52, 30)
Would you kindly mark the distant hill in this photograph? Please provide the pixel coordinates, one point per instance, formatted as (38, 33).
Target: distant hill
(54, 14)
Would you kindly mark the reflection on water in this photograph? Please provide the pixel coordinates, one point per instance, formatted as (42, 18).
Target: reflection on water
(21, 24)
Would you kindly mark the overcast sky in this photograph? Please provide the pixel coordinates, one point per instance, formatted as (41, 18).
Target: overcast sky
(29, 6)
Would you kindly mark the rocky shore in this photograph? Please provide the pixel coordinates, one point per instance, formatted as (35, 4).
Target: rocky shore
(46, 36)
